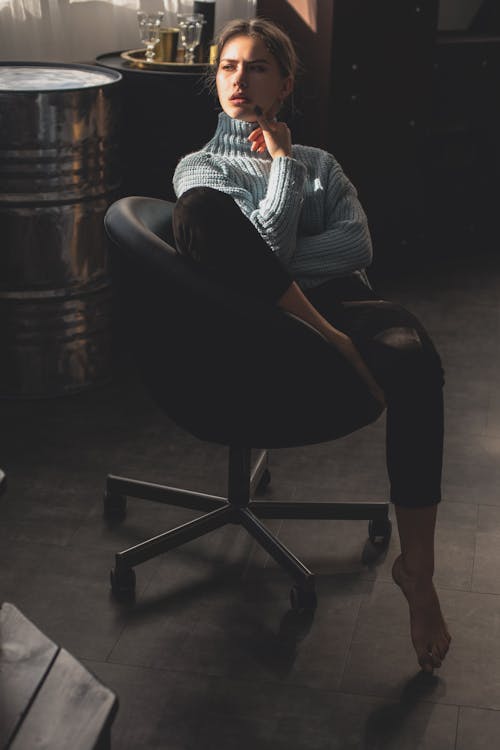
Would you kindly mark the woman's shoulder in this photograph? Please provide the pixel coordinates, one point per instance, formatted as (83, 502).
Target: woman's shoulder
(199, 162)
(313, 156)
(196, 158)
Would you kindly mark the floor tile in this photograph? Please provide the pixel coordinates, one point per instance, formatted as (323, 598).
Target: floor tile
(66, 592)
(191, 711)
(487, 552)
(478, 729)
(212, 625)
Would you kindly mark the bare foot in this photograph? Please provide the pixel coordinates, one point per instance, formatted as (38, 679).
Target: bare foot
(429, 634)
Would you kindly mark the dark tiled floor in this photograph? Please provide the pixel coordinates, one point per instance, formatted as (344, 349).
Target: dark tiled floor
(210, 656)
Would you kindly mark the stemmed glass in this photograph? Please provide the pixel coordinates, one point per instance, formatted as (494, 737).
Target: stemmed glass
(149, 27)
(190, 26)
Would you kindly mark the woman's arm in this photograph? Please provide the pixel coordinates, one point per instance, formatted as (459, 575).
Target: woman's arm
(345, 244)
(276, 138)
(275, 216)
(338, 251)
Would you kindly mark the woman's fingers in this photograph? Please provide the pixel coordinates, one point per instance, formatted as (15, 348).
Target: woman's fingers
(265, 119)
(348, 349)
(257, 140)
(261, 117)
(257, 133)
(276, 135)
(266, 124)
(258, 146)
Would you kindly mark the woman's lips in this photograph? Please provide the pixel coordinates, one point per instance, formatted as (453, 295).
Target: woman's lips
(239, 99)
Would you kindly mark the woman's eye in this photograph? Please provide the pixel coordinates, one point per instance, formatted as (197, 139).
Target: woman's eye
(258, 68)
(227, 67)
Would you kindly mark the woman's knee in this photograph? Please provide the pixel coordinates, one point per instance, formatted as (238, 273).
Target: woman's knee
(193, 222)
(201, 201)
(414, 358)
(204, 223)
(204, 206)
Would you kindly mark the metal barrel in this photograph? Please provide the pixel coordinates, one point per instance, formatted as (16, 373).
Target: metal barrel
(59, 171)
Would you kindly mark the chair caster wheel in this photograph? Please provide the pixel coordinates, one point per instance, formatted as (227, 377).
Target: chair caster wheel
(303, 600)
(379, 532)
(122, 583)
(264, 480)
(114, 507)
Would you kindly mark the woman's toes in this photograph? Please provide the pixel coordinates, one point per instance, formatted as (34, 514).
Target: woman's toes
(436, 658)
(429, 659)
(426, 663)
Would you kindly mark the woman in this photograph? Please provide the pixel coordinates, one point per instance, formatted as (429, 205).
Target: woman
(283, 222)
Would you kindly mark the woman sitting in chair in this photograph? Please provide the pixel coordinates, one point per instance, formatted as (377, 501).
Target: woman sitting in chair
(283, 223)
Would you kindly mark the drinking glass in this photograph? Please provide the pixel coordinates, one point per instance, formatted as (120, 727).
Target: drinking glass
(190, 26)
(149, 27)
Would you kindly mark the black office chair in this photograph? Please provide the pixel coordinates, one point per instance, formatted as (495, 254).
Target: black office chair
(233, 370)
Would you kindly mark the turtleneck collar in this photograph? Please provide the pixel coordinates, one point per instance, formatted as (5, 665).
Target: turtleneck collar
(231, 138)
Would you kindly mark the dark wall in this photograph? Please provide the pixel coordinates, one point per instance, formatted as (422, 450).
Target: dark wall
(314, 49)
(366, 97)
(463, 143)
(487, 18)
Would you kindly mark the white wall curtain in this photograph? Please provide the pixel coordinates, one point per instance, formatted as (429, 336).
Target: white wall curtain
(79, 30)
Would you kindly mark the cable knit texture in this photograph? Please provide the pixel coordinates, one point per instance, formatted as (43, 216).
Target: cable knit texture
(304, 206)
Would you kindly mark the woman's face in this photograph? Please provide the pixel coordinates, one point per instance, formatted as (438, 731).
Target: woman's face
(249, 75)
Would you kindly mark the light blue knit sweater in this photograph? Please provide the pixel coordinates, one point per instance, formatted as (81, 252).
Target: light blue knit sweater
(304, 206)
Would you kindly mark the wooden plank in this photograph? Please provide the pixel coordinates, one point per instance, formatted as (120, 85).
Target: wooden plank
(71, 710)
(26, 655)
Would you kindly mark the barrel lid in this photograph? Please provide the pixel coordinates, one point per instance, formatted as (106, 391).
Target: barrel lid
(42, 76)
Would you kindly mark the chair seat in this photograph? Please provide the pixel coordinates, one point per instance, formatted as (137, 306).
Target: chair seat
(227, 367)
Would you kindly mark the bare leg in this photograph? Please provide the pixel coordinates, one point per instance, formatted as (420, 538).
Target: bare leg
(414, 568)
(413, 571)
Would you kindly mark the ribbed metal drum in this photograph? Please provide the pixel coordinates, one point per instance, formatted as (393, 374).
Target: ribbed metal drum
(59, 171)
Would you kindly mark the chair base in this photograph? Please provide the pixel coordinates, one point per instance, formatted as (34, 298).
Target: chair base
(237, 508)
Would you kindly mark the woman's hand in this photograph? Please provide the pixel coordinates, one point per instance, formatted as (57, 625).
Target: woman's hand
(294, 301)
(273, 135)
(346, 347)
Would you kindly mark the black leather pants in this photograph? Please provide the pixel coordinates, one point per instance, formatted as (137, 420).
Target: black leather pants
(210, 229)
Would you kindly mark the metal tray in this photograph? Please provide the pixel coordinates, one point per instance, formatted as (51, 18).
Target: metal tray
(137, 58)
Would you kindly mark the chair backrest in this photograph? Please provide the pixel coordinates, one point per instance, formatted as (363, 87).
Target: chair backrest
(227, 367)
